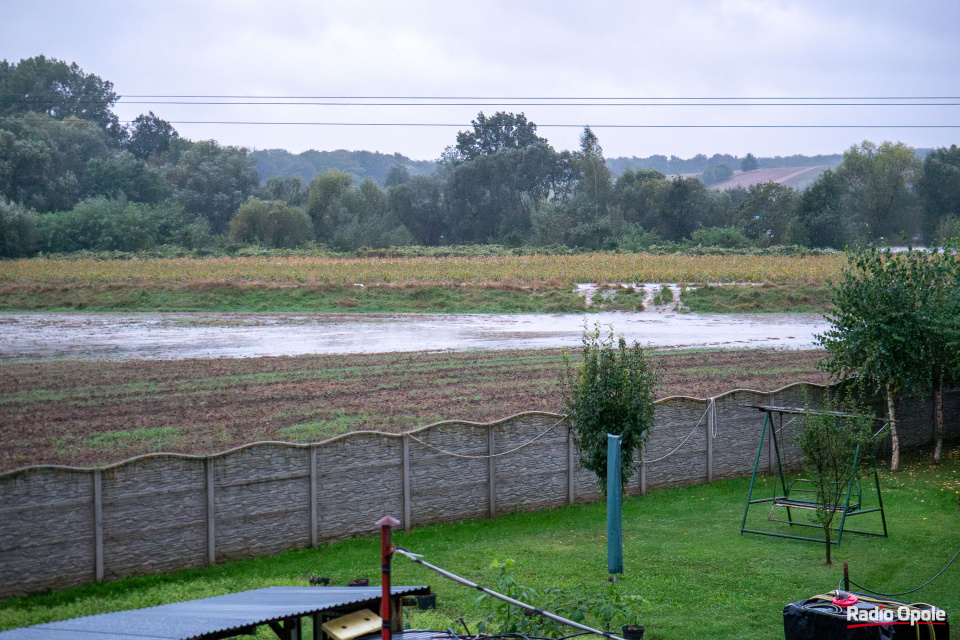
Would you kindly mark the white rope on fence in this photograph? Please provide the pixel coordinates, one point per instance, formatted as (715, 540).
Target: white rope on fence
(494, 455)
(697, 426)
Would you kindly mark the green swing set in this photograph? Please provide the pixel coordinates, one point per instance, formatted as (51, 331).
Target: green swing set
(797, 494)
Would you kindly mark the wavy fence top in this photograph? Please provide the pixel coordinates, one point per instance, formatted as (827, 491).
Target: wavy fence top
(436, 425)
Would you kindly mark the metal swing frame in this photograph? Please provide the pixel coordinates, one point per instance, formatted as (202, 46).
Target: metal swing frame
(851, 507)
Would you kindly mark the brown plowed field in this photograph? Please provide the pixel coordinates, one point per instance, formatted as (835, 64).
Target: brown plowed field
(88, 413)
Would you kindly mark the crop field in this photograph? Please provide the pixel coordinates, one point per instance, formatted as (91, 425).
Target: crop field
(528, 270)
(89, 413)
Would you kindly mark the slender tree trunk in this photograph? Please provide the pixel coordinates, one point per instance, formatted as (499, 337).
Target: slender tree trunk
(826, 530)
(894, 438)
(938, 409)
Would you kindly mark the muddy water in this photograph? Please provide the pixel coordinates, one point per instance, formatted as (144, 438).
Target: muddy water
(118, 336)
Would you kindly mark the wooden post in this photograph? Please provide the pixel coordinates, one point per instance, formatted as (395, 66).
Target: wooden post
(571, 468)
(211, 520)
(98, 524)
(492, 471)
(314, 537)
(710, 429)
(405, 481)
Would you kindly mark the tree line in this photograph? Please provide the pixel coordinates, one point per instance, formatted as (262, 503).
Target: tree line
(73, 178)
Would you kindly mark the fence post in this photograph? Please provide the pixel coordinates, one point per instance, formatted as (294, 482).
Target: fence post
(98, 524)
(492, 471)
(571, 468)
(643, 473)
(710, 428)
(314, 537)
(405, 481)
(211, 520)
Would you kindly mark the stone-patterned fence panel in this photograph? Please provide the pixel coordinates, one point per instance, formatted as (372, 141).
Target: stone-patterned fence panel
(62, 526)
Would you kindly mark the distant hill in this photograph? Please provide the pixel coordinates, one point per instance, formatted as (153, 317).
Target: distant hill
(674, 165)
(362, 164)
(797, 177)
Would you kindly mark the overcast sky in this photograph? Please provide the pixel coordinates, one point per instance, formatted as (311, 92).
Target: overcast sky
(518, 49)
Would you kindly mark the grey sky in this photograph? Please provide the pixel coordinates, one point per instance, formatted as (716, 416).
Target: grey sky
(690, 49)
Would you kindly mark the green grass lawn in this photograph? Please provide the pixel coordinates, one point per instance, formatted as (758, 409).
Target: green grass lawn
(682, 553)
(240, 297)
(765, 298)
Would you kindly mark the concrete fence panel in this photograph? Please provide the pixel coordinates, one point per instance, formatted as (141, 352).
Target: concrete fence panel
(62, 526)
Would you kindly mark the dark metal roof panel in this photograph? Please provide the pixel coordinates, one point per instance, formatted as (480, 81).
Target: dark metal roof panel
(196, 618)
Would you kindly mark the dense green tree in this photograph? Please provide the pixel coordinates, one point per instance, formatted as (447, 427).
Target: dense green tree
(939, 189)
(493, 196)
(326, 202)
(716, 173)
(103, 224)
(638, 194)
(60, 90)
(765, 213)
(749, 163)
(212, 181)
(149, 136)
(880, 178)
(684, 206)
(368, 221)
(398, 174)
(47, 164)
(293, 190)
(418, 205)
(891, 312)
(17, 230)
(271, 224)
(349, 217)
(500, 132)
(823, 215)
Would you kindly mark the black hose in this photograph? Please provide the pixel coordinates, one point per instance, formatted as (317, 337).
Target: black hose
(903, 593)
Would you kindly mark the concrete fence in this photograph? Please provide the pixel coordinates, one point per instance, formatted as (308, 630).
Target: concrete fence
(64, 526)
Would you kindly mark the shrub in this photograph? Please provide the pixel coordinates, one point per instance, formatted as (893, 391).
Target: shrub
(581, 604)
(731, 237)
(611, 392)
(103, 224)
(271, 224)
(17, 230)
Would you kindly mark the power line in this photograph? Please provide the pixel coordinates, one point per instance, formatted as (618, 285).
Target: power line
(522, 99)
(558, 104)
(578, 126)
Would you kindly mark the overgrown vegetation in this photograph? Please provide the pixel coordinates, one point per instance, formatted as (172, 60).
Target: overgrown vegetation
(763, 298)
(580, 603)
(610, 390)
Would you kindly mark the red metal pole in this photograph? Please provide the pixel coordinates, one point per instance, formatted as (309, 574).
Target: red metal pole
(386, 552)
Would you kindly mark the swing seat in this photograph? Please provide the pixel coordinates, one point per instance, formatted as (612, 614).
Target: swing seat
(813, 505)
(782, 501)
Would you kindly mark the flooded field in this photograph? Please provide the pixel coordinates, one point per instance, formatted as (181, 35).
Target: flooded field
(172, 336)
